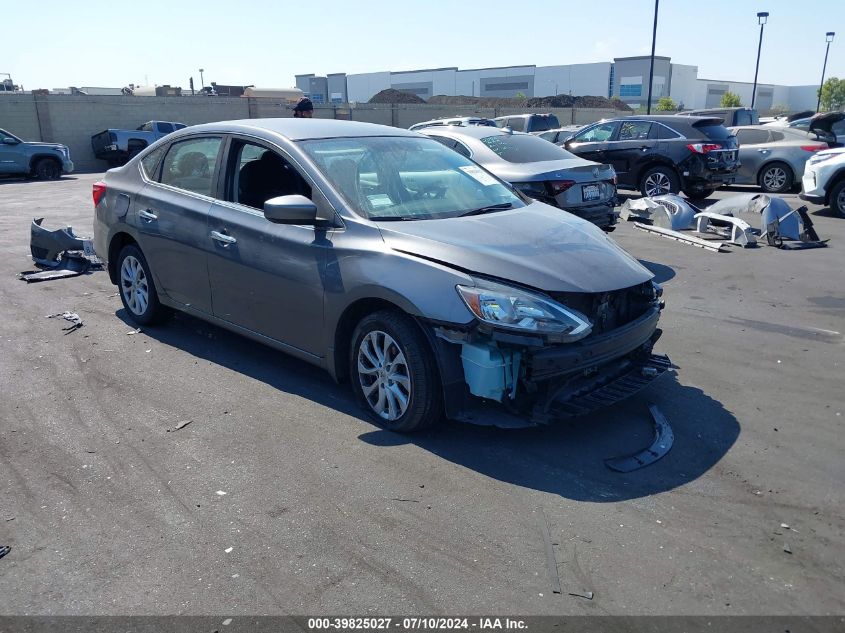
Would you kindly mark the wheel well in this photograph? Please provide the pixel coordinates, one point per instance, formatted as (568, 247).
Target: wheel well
(838, 177)
(655, 162)
(346, 325)
(34, 160)
(117, 243)
(134, 143)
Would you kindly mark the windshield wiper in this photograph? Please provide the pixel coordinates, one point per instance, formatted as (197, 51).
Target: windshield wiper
(392, 218)
(488, 209)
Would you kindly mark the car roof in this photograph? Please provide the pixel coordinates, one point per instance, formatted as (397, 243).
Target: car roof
(473, 131)
(297, 129)
(680, 119)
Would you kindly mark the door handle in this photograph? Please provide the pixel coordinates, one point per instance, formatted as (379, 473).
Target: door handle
(224, 239)
(147, 215)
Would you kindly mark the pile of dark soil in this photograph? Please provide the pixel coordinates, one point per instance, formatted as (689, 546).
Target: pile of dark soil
(395, 96)
(559, 101)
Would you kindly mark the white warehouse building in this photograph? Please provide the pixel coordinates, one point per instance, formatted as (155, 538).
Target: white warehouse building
(625, 78)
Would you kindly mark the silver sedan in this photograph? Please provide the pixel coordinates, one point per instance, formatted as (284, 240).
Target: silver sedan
(773, 158)
(539, 169)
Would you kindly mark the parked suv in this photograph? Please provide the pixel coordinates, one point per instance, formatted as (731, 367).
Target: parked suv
(824, 180)
(45, 161)
(662, 154)
(731, 117)
(531, 123)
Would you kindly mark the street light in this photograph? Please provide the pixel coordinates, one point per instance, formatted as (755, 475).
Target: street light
(828, 38)
(651, 69)
(762, 18)
(202, 81)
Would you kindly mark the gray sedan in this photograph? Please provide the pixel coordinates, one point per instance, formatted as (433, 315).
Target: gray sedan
(386, 259)
(773, 157)
(539, 169)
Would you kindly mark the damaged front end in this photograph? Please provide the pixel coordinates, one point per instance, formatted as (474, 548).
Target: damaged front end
(532, 358)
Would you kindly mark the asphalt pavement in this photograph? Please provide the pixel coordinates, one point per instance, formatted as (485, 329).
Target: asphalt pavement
(280, 497)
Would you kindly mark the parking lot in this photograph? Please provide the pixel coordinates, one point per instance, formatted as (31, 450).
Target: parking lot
(280, 497)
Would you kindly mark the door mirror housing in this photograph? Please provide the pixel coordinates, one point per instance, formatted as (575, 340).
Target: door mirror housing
(293, 209)
(8, 140)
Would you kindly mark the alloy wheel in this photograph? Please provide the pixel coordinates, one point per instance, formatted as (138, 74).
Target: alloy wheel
(774, 179)
(133, 285)
(657, 184)
(840, 201)
(384, 375)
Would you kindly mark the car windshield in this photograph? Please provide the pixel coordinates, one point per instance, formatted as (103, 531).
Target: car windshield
(402, 178)
(525, 148)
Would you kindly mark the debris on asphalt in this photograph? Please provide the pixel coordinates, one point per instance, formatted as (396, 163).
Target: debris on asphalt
(74, 319)
(551, 561)
(715, 247)
(785, 526)
(587, 594)
(182, 425)
(228, 550)
(662, 444)
(638, 209)
(5, 549)
(735, 230)
(59, 254)
(134, 332)
(221, 493)
(786, 548)
(408, 500)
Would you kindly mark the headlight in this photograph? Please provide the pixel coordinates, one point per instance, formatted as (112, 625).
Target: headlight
(819, 158)
(515, 309)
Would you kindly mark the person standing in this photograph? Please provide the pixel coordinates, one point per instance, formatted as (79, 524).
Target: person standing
(303, 109)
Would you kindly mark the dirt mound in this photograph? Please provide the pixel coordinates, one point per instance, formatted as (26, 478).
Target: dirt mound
(395, 96)
(558, 101)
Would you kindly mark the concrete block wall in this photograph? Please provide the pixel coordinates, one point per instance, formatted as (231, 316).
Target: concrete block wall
(72, 120)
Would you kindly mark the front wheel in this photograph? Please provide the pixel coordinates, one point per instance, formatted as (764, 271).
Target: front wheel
(394, 373)
(658, 181)
(48, 169)
(137, 290)
(837, 199)
(776, 178)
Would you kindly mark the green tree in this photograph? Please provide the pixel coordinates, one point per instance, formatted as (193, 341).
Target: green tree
(521, 95)
(730, 100)
(833, 94)
(666, 104)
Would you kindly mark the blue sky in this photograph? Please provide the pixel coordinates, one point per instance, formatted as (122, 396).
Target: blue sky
(58, 43)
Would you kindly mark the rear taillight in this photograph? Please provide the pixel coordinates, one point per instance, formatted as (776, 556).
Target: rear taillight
(559, 186)
(703, 148)
(814, 148)
(99, 191)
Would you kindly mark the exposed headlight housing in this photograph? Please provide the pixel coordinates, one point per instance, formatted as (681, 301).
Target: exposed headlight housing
(519, 310)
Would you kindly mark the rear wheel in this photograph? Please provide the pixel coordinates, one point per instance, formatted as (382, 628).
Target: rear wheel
(48, 169)
(394, 374)
(658, 181)
(776, 178)
(137, 290)
(837, 198)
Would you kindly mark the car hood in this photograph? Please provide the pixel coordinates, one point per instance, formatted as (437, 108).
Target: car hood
(824, 122)
(538, 246)
(578, 168)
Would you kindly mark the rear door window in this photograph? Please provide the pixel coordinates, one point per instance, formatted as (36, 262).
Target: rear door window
(598, 134)
(752, 137)
(150, 163)
(190, 164)
(634, 130)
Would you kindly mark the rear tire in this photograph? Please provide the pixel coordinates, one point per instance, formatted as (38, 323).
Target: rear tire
(394, 373)
(776, 177)
(48, 169)
(837, 198)
(658, 181)
(137, 289)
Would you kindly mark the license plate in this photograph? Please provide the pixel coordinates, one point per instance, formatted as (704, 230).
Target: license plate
(590, 192)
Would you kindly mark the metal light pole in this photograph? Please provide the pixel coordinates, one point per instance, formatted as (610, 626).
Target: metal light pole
(829, 37)
(651, 70)
(202, 81)
(762, 17)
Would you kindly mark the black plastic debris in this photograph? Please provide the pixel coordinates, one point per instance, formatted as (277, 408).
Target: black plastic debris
(5, 549)
(74, 319)
(662, 444)
(587, 594)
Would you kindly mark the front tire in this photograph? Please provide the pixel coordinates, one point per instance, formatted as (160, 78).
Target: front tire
(776, 178)
(137, 289)
(48, 169)
(658, 181)
(837, 199)
(394, 374)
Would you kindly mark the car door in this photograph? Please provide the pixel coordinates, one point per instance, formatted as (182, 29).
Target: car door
(753, 152)
(630, 147)
(592, 142)
(266, 277)
(13, 158)
(171, 215)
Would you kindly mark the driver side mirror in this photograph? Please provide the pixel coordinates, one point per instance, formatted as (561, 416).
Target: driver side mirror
(293, 209)
(8, 140)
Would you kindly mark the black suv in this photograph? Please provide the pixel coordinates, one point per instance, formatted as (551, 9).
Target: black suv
(662, 154)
